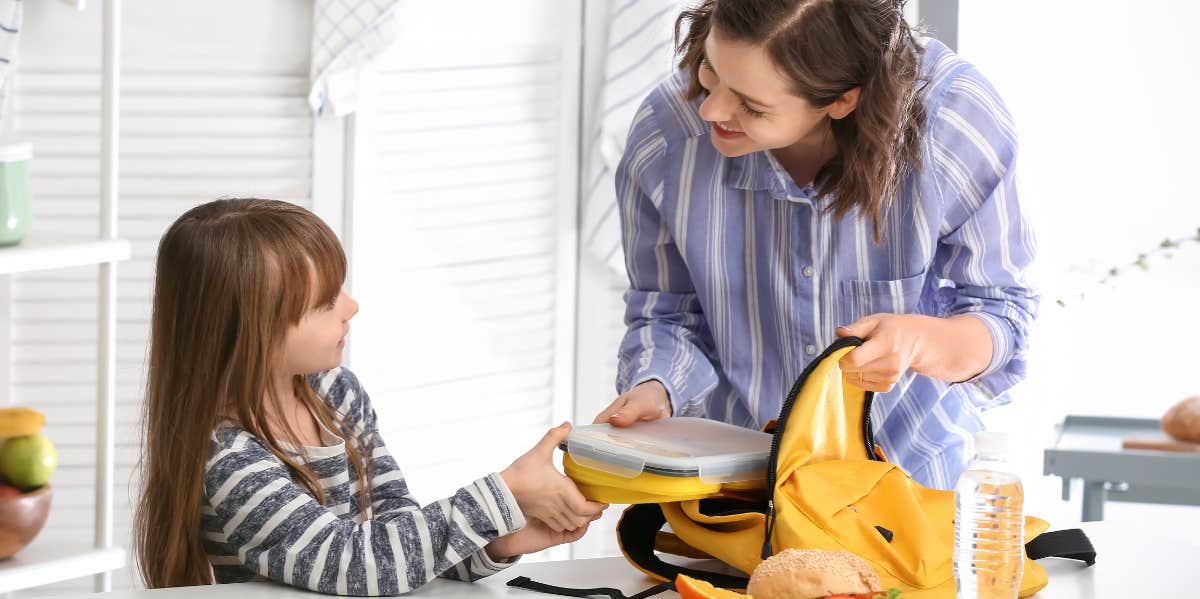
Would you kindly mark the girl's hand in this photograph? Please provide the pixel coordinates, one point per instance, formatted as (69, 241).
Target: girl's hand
(535, 537)
(646, 401)
(545, 494)
(951, 349)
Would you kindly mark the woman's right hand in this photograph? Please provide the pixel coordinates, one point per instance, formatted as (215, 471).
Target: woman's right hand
(646, 401)
(543, 493)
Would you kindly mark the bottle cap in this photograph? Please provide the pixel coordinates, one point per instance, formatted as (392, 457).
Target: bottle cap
(994, 444)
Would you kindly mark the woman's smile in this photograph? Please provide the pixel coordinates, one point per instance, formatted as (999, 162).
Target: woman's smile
(727, 131)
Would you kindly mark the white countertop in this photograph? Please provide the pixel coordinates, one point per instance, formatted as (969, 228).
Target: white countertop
(1129, 563)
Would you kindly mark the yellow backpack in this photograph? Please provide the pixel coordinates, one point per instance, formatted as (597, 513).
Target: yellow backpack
(831, 488)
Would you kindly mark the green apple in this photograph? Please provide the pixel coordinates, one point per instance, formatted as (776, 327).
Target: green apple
(27, 462)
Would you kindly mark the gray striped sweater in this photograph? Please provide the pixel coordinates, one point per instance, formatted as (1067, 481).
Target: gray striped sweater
(259, 523)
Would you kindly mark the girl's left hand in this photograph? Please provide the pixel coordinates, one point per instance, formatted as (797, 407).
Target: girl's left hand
(891, 345)
(535, 537)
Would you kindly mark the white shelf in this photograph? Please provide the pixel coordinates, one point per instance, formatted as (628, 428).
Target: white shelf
(52, 558)
(43, 251)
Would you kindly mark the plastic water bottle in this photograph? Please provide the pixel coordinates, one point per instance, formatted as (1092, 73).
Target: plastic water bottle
(989, 526)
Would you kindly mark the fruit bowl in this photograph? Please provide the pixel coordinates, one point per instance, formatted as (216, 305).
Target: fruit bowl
(22, 518)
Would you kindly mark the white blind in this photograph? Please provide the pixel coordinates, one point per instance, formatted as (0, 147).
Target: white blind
(600, 304)
(601, 328)
(195, 125)
(463, 235)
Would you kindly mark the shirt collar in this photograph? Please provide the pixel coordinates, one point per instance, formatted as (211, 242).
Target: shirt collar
(761, 171)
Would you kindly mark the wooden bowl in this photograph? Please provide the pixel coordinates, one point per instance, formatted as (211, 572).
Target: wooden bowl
(22, 518)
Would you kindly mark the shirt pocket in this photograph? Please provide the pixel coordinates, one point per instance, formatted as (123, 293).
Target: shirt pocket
(863, 298)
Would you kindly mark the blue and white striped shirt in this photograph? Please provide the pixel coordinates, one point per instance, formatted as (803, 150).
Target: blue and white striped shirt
(739, 277)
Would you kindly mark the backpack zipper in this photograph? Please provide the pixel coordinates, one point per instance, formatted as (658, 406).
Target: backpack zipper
(777, 437)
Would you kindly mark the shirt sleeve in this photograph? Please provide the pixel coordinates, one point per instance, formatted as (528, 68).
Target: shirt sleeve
(987, 245)
(281, 532)
(664, 338)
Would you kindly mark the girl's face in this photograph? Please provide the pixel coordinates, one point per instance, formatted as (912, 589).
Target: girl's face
(750, 104)
(316, 342)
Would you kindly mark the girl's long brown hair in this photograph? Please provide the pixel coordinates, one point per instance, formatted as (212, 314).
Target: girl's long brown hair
(826, 48)
(232, 277)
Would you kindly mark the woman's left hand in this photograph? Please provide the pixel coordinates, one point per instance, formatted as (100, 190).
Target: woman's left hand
(534, 537)
(951, 349)
(891, 343)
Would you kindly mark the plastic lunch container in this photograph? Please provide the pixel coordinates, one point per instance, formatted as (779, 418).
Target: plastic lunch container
(714, 452)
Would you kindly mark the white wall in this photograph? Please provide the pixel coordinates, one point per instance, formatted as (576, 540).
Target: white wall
(1103, 94)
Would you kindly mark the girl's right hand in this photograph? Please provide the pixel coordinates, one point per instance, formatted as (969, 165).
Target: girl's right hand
(646, 401)
(545, 494)
(535, 537)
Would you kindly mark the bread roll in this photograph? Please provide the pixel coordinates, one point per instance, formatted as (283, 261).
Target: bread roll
(812, 573)
(1182, 421)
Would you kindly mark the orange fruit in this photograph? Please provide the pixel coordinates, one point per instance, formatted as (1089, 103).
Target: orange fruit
(691, 588)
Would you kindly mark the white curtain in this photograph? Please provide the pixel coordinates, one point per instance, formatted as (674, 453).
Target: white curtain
(639, 54)
(347, 35)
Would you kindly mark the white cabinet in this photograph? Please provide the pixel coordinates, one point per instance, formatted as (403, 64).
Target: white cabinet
(54, 558)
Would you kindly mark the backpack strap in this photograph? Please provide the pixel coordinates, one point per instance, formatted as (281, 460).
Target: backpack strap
(1071, 543)
(523, 582)
(636, 532)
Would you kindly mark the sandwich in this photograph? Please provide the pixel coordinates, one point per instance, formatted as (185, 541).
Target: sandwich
(816, 574)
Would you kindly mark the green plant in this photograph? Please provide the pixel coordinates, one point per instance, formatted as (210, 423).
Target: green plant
(1166, 248)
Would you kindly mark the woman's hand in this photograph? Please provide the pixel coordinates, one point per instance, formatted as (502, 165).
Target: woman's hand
(535, 537)
(545, 494)
(951, 349)
(646, 401)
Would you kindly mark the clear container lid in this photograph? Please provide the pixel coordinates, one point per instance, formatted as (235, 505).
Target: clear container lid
(714, 451)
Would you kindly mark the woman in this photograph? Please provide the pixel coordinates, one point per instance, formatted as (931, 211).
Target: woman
(813, 171)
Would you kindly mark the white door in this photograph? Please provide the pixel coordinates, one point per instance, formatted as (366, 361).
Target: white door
(462, 234)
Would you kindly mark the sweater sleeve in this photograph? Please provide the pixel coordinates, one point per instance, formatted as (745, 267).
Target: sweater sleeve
(279, 531)
(390, 495)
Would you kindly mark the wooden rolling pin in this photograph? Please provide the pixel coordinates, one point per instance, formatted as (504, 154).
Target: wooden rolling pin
(1182, 425)
(1160, 444)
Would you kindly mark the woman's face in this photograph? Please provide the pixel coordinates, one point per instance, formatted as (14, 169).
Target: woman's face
(749, 103)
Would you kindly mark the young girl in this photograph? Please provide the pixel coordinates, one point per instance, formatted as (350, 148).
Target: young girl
(262, 456)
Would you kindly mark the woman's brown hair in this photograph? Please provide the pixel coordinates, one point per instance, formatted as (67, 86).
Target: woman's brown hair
(232, 277)
(826, 48)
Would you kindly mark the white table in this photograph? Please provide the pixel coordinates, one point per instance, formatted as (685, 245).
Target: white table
(1129, 563)
(1089, 448)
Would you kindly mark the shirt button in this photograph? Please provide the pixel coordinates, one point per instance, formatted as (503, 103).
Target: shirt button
(810, 349)
(808, 271)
